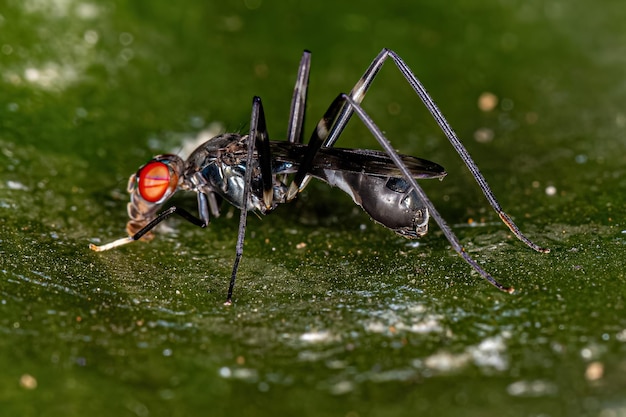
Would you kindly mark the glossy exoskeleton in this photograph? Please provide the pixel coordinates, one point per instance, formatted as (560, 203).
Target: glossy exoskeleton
(255, 174)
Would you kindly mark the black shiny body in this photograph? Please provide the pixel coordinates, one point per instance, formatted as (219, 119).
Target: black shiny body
(255, 174)
(369, 177)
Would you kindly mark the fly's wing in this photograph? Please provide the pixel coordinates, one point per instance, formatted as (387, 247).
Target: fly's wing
(372, 180)
(365, 161)
(375, 163)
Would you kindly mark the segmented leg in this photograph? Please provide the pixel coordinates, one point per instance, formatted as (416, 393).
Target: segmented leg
(262, 143)
(160, 217)
(447, 231)
(258, 135)
(344, 101)
(298, 102)
(320, 133)
(358, 93)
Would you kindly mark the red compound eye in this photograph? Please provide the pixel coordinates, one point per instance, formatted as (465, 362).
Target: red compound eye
(154, 181)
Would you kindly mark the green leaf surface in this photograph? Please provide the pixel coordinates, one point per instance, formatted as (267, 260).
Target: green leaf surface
(333, 315)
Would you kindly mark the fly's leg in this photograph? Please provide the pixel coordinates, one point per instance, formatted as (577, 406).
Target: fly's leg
(358, 93)
(447, 231)
(258, 138)
(160, 217)
(298, 102)
(325, 125)
(297, 113)
(301, 179)
(213, 204)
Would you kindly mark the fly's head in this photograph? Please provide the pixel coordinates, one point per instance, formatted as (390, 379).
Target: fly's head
(151, 186)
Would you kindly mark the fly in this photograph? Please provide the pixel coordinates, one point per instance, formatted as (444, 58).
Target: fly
(255, 174)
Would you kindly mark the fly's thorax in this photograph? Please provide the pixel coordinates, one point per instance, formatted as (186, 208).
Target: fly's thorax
(220, 166)
(228, 148)
(229, 182)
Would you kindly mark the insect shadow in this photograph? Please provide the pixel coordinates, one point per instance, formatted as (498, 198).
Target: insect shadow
(255, 174)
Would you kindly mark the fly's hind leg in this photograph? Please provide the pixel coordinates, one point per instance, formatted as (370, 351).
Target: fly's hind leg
(298, 101)
(397, 160)
(358, 93)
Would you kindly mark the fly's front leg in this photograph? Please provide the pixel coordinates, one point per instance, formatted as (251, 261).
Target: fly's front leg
(258, 137)
(207, 200)
(213, 204)
(160, 217)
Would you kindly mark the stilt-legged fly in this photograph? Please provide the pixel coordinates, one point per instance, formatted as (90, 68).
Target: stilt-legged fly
(253, 173)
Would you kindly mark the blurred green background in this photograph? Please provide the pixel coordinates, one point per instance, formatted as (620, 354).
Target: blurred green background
(358, 322)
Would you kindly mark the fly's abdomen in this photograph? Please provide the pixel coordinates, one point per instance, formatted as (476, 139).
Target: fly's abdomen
(389, 201)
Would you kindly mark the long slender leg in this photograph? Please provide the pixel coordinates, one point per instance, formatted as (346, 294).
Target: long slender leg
(160, 217)
(300, 179)
(262, 143)
(257, 120)
(298, 102)
(343, 101)
(358, 93)
(448, 233)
